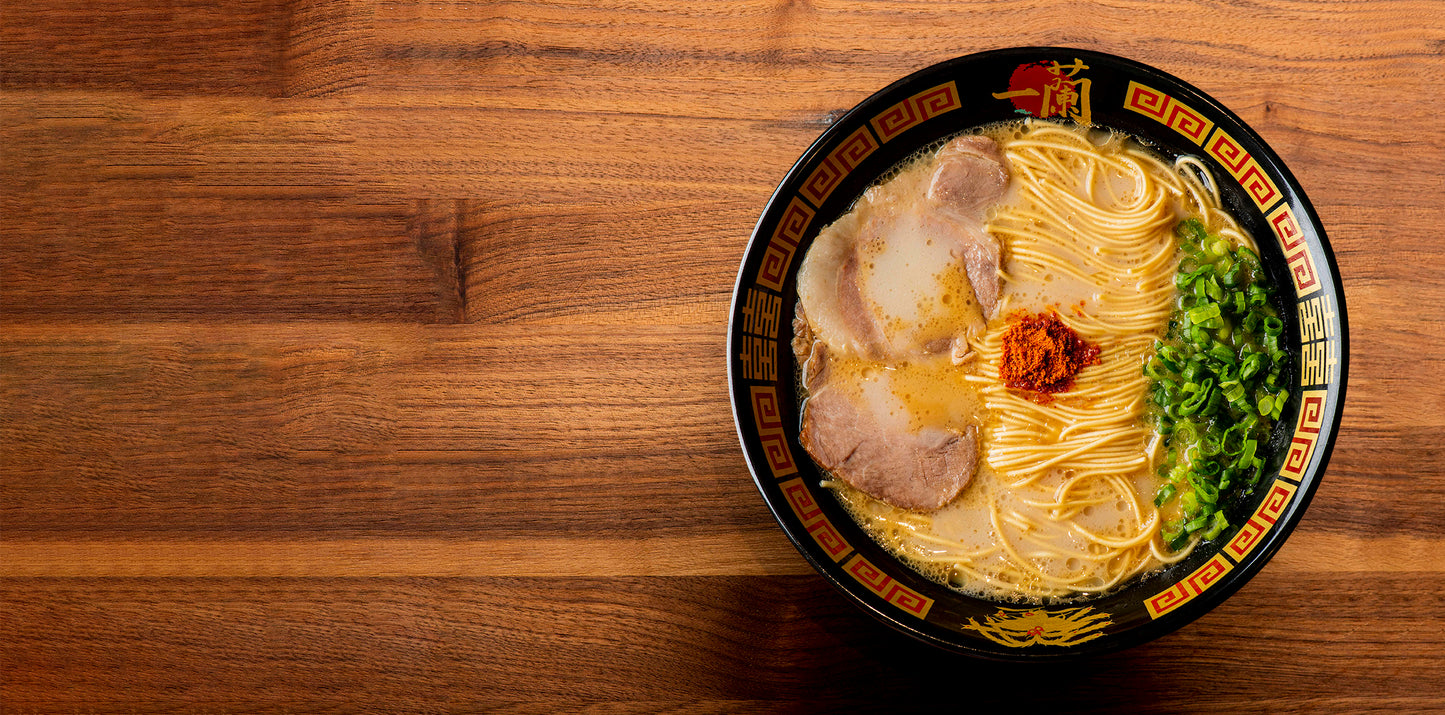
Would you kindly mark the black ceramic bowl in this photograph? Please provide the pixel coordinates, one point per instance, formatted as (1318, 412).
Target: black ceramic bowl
(1084, 87)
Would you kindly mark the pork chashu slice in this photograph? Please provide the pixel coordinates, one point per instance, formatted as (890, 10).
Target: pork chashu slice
(969, 178)
(857, 436)
(876, 283)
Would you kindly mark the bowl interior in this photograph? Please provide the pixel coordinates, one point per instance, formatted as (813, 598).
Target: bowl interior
(1087, 88)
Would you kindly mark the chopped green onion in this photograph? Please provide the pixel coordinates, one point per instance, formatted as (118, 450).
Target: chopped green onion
(1246, 456)
(1232, 390)
(1251, 366)
(1209, 445)
(1189, 503)
(1212, 287)
(1165, 493)
(1209, 311)
(1197, 524)
(1205, 490)
(1257, 472)
(1191, 230)
(1215, 382)
(1193, 371)
(1156, 369)
(1217, 525)
(1197, 400)
(1232, 276)
(1170, 357)
(1222, 353)
(1179, 540)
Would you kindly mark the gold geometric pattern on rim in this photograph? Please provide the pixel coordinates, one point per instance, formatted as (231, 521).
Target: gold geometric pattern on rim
(1017, 628)
(1188, 587)
(1168, 111)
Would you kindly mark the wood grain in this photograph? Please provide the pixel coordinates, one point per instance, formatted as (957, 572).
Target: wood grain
(641, 642)
(369, 356)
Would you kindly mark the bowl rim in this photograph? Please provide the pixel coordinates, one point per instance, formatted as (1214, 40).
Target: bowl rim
(1276, 535)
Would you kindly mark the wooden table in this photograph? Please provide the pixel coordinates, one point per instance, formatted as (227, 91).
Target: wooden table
(370, 356)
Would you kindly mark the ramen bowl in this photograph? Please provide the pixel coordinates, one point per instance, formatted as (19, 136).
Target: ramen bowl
(1087, 88)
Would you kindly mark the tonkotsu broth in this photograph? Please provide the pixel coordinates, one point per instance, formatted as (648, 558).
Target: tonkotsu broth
(1060, 504)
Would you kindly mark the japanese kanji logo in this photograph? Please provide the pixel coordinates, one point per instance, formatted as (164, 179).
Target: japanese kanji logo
(1049, 89)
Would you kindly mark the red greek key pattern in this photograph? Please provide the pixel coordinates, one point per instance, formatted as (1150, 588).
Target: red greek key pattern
(1264, 518)
(1147, 101)
(1190, 587)
(916, 109)
(1167, 111)
(1248, 537)
(1234, 158)
(886, 587)
(837, 164)
(1244, 169)
(779, 254)
(800, 500)
(766, 414)
(1306, 434)
(769, 420)
(828, 537)
(1296, 253)
(780, 457)
(1273, 505)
